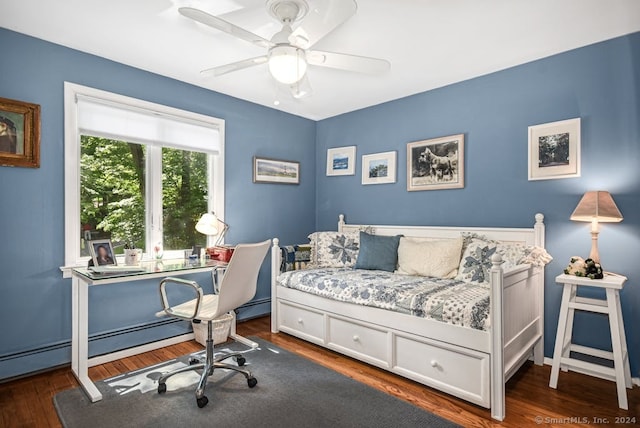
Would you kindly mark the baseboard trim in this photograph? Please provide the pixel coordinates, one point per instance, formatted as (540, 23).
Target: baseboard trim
(549, 361)
(101, 359)
(122, 342)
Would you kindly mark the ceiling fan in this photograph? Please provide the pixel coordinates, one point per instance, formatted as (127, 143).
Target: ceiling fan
(289, 51)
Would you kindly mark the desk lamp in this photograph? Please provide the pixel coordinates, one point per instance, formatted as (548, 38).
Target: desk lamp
(596, 207)
(210, 225)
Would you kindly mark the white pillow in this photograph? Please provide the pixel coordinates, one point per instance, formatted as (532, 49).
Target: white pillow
(425, 257)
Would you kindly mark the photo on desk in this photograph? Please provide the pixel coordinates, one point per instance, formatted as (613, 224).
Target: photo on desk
(102, 252)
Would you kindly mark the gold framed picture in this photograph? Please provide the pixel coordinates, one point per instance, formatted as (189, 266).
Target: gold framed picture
(19, 134)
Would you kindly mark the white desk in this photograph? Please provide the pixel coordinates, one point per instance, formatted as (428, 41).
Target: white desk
(82, 279)
(610, 306)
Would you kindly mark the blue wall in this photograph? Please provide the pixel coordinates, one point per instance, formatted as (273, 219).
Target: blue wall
(35, 301)
(599, 83)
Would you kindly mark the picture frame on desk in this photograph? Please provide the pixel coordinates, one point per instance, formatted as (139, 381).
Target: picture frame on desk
(102, 253)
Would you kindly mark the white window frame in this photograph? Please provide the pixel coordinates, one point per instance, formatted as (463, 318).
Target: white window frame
(72, 178)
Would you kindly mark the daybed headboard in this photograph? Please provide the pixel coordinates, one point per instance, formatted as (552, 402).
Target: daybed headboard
(528, 236)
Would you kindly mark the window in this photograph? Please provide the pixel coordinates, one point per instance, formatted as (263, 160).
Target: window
(137, 173)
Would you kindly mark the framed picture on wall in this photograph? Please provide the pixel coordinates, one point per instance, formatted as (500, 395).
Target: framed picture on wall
(341, 161)
(379, 168)
(436, 164)
(278, 171)
(554, 150)
(102, 253)
(19, 134)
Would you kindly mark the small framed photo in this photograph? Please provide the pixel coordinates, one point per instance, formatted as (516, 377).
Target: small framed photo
(436, 164)
(19, 134)
(341, 161)
(267, 170)
(379, 168)
(102, 253)
(554, 150)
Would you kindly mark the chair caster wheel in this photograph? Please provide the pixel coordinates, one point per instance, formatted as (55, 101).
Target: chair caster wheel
(252, 381)
(241, 361)
(202, 401)
(162, 388)
(193, 361)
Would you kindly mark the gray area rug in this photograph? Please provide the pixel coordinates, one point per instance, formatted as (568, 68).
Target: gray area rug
(291, 392)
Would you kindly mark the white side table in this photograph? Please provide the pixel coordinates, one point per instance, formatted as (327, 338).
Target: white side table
(620, 373)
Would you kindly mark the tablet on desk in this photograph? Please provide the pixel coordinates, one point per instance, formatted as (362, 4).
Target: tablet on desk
(115, 269)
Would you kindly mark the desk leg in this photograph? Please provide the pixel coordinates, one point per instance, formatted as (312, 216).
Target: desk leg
(558, 350)
(80, 338)
(617, 335)
(237, 337)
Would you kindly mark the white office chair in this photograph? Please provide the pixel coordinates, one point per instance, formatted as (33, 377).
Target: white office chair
(238, 286)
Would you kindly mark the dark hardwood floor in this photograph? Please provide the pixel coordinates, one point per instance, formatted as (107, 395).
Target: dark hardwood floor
(580, 400)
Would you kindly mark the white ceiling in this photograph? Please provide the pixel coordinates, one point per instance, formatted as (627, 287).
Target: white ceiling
(430, 43)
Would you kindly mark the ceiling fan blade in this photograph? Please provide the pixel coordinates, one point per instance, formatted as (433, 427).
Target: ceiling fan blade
(301, 89)
(321, 20)
(359, 64)
(225, 26)
(234, 66)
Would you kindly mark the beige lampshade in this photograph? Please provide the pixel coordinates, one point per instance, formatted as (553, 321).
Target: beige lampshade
(597, 205)
(208, 224)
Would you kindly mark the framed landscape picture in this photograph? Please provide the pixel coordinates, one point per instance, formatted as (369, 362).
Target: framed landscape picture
(278, 171)
(341, 161)
(379, 168)
(19, 133)
(436, 164)
(554, 150)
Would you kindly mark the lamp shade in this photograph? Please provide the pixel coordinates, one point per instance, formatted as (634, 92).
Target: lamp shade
(208, 224)
(597, 205)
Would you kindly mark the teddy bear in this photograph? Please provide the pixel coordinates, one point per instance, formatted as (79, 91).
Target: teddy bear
(585, 268)
(577, 267)
(593, 269)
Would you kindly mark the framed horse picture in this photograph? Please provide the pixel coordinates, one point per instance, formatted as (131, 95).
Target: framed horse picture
(436, 164)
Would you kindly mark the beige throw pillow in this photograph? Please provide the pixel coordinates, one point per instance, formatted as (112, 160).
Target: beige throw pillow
(424, 257)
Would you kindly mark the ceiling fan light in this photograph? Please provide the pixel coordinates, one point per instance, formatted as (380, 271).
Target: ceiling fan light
(287, 64)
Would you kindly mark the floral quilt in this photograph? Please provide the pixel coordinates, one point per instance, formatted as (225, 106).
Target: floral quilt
(446, 300)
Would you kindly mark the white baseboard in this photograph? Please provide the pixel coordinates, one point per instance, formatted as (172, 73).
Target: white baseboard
(549, 361)
(101, 359)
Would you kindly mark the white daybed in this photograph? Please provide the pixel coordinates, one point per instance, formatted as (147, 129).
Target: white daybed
(467, 363)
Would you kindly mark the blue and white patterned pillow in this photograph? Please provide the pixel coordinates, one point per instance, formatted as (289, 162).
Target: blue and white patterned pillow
(475, 266)
(334, 249)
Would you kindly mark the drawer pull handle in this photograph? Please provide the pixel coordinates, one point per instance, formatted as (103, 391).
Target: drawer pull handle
(300, 321)
(356, 338)
(434, 363)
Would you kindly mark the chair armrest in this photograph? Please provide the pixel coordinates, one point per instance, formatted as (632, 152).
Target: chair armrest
(216, 275)
(184, 283)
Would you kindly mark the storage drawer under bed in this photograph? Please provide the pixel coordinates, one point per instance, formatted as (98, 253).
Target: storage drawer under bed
(449, 368)
(302, 322)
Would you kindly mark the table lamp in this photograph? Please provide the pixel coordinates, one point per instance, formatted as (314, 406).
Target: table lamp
(210, 225)
(596, 207)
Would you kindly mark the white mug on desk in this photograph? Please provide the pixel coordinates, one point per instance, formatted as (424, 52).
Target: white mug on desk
(132, 256)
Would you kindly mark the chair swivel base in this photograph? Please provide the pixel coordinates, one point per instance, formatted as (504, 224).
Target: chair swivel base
(207, 370)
